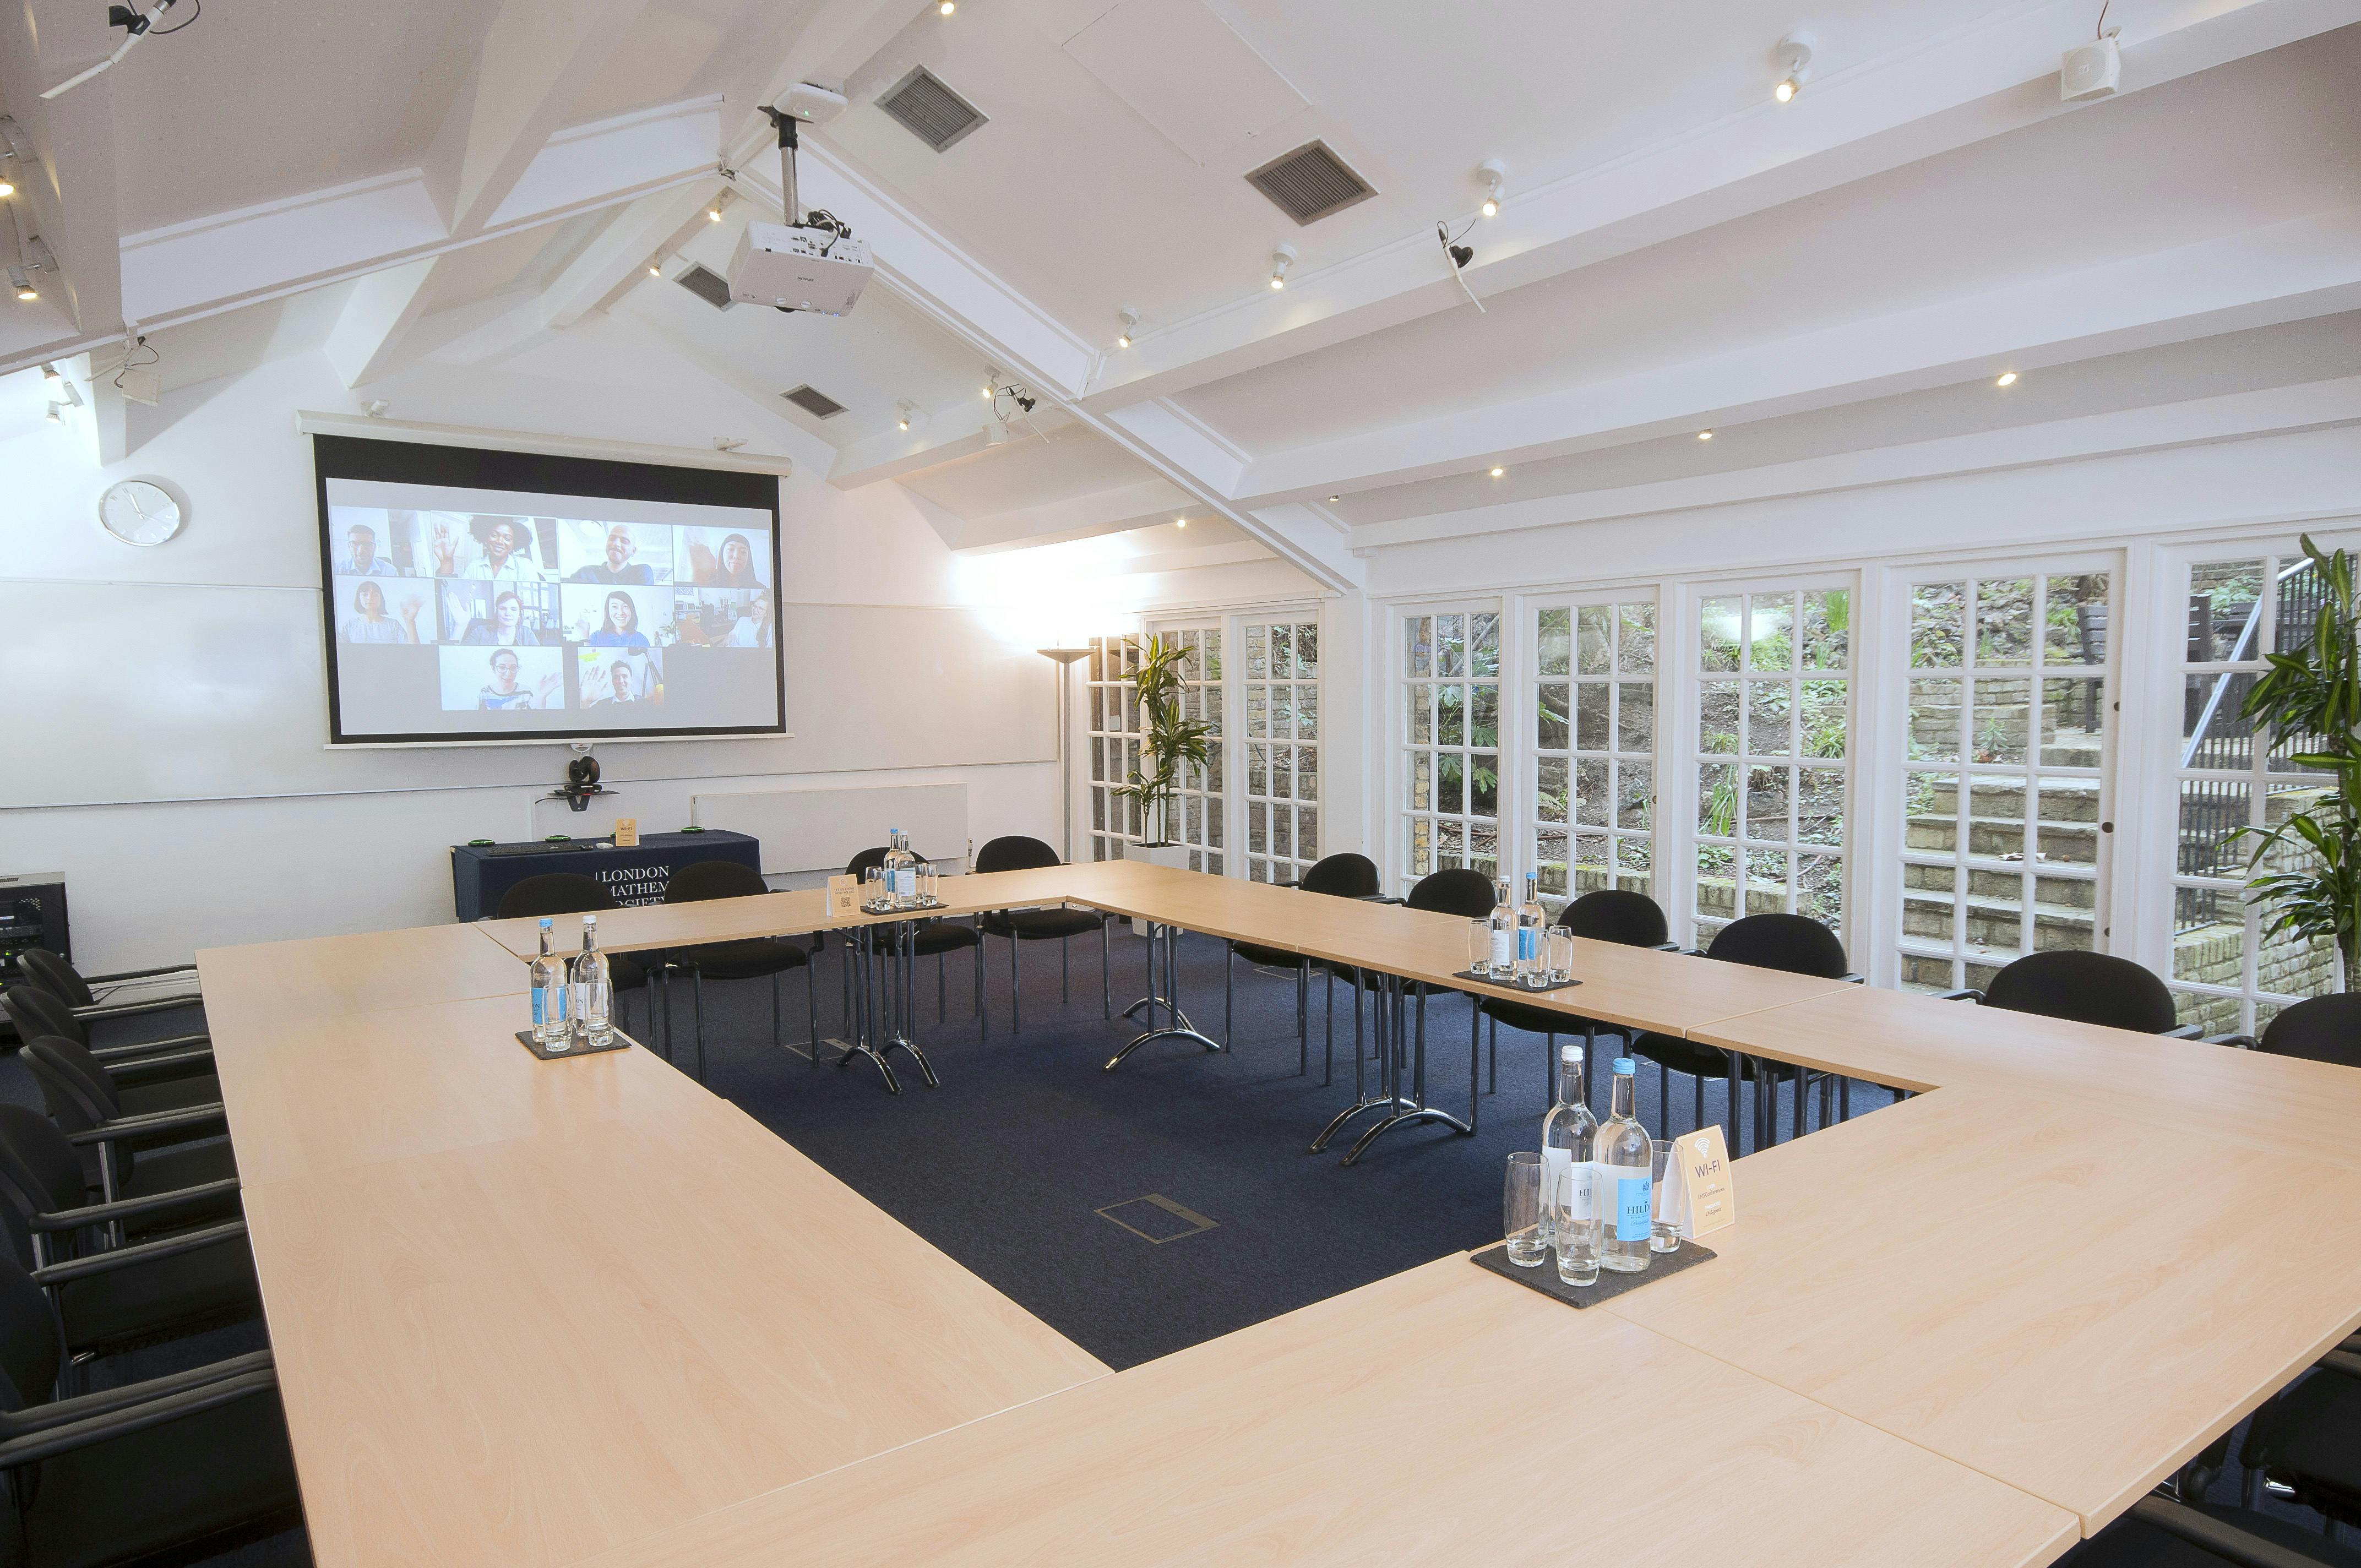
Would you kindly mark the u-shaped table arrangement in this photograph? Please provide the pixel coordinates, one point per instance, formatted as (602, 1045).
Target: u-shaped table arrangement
(534, 1314)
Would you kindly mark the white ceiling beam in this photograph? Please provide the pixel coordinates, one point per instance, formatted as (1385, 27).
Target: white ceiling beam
(537, 58)
(2232, 416)
(1987, 76)
(618, 257)
(70, 199)
(940, 437)
(2286, 271)
(1150, 503)
(378, 314)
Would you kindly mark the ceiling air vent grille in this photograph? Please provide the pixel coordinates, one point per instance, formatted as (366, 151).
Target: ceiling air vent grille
(819, 405)
(707, 285)
(929, 110)
(1309, 183)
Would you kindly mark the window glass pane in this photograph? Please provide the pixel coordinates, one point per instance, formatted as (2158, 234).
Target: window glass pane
(1773, 644)
(1484, 645)
(1422, 715)
(1485, 725)
(2222, 598)
(2001, 720)
(1827, 629)
(1282, 658)
(1306, 712)
(1420, 629)
(1819, 889)
(1768, 793)
(1595, 641)
(2073, 719)
(2064, 913)
(1450, 716)
(1591, 791)
(1717, 635)
(1450, 644)
(2211, 811)
(1590, 732)
(2212, 735)
(1486, 798)
(1819, 807)
(1717, 799)
(2074, 622)
(1634, 796)
(1635, 716)
(1554, 646)
(1718, 716)
(1938, 625)
(1258, 650)
(1550, 713)
(1451, 782)
(1635, 651)
(1935, 715)
(1550, 791)
(1821, 714)
(2004, 621)
(2065, 820)
(1768, 714)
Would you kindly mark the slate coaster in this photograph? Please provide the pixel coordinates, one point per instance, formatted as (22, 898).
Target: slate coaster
(1511, 985)
(1610, 1284)
(618, 1042)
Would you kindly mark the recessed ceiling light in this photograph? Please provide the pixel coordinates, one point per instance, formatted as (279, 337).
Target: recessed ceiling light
(947, 7)
(1280, 261)
(1704, 435)
(1498, 472)
(2007, 378)
(1180, 523)
(1333, 500)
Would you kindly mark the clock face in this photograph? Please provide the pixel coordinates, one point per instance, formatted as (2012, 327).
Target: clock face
(137, 512)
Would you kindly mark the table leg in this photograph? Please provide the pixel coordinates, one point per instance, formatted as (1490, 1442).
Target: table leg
(1164, 944)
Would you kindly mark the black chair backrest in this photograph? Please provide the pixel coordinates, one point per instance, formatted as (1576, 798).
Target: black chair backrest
(1342, 876)
(2087, 988)
(858, 867)
(30, 1353)
(75, 1082)
(37, 1166)
(714, 879)
(36, 1012)
(2326, 1028)
(1016, 852)
(1460, 892)
(555, 892)
(57, 977)
(1796, 943)
(1616, 915)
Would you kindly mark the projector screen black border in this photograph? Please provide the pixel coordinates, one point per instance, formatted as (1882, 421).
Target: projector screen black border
(484, 469)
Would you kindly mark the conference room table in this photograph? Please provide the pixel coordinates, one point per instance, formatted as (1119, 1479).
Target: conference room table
(585, 1311)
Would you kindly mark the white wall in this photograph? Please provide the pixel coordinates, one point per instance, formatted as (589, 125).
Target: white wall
(149, 882)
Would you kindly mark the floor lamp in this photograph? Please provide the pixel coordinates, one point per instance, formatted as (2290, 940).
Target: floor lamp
(1065, 657)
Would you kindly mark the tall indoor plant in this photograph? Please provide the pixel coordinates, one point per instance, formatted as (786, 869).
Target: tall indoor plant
(1171, 743)
(2314, 695)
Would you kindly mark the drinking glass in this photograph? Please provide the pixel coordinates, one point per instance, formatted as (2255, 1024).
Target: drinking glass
(1480, 946)
(873, 885)
(1664, 1224)
(1521, 1207)
(927, 884)
(1576, 1237)
(1560, 948)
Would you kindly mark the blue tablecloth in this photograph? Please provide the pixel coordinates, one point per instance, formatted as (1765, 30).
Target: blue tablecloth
(636, 875)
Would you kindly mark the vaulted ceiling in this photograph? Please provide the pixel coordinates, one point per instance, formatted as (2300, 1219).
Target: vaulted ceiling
(1841, 274)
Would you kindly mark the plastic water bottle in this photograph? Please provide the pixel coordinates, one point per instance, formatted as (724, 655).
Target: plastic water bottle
(1627, 1172)
(553, 1024)
(594, 998)
(1569, 1176)
(901, 872)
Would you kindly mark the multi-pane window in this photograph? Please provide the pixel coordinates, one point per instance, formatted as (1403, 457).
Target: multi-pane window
(1281, 697)
(2226, 974)
(1197, 812)
(2004, 778)
(1113, 745)
(1772, 672)
(1451, 743)
(1594, 781)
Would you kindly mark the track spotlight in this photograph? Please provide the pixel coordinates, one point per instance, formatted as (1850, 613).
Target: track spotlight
(655, 268)
(2007, 378)
(1495, 175)
(1180, 523)
(8, 185)
(1704, 435)
(1130, 320)
(1795, 55)
(907, 406)
(991, 380)
(15, 153)
(1334, 499)
(1498, 472)
(713, 213)
(947, 7)
(55, 416)
(1280, 261)
(23, 284)
(51, 379)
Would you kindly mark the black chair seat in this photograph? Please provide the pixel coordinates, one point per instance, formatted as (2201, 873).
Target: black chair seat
(209, 1288)
(1536, 1021)
(182, 1165)
(1043, 925)
(1269, 958)
(2133, 1542)
(756, 957)
(942, 937)
(175, 1094)
(221, 1472)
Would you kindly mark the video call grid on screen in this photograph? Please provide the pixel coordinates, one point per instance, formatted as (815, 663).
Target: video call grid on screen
(478, 596)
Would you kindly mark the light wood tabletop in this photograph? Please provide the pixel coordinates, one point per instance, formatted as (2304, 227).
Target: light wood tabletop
(2071, 1302)
(1442, 1416)
(358, 973)
(520, 1353)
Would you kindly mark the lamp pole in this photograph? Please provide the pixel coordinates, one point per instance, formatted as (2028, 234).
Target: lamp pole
(1065, 658)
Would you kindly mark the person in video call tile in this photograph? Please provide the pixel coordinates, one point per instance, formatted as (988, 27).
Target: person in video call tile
(619, 681)
(754, 628)
(506, 629)
(623, 625)
(370, 623)
(500, 557)
(504, 692)
(735, 569)
(363, 561)
(617, 567)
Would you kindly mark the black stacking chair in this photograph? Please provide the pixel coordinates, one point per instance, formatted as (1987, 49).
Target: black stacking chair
(120, 1127)
(1338, 876)
(1609, 915)
(59, 977)
(2324, 1028)
(36, 1012)
(186, 1269)
(752, 958)
(2308, 1438)
(933, 939)
(1795, 944)
(1016, 852)
(169, 1469)
(2083, 988)
(571, 892)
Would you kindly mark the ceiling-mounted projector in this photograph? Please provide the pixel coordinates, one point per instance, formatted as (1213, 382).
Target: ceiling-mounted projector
(811, 262)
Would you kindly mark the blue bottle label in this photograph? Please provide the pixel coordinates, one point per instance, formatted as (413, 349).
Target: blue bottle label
(1529, 944)
(1632, 1208)
(540, 1008)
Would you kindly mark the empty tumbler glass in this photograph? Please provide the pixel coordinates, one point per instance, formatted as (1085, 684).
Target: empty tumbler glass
(1560, 948)
(1480, 946)
(1573, 1227)
(1664, 1224)
(1522, 1208)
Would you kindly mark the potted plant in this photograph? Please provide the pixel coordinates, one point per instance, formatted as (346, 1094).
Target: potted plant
(1171, 743)
(2313, 882)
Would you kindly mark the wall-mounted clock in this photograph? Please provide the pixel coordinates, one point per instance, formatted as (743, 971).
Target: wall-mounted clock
(139, 512)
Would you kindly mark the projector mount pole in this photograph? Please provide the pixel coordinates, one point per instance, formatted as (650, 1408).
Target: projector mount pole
(787, 128)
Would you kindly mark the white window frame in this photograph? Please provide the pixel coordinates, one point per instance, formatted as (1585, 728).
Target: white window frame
(1530, 763)
(1290, 866)
(1395, 860)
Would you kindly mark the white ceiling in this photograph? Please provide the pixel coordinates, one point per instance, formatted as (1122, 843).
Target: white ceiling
(1839, 274)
